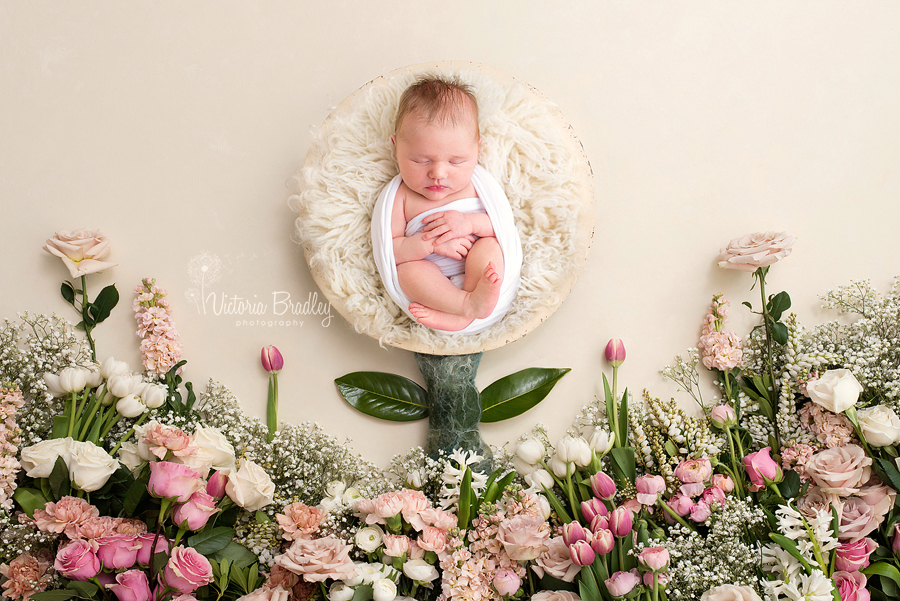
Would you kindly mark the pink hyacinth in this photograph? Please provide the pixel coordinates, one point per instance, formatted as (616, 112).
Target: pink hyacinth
(160, 345)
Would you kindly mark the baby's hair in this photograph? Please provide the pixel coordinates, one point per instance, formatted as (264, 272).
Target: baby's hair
(437, 99)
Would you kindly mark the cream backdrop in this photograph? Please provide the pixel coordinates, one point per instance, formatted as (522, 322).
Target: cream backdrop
(174, 127)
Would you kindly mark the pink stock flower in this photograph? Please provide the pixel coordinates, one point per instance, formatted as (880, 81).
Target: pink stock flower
(76, 560)
(831, 429)
(317, 560)
(720, 350)
(851, 586)
(118, 551)
(131, 585)
(622, 583)
(603, 486)
(853, 557)
(760, 466)
(649, 489)
(26, 575)
(621, 522)
(300, 521)
(692, 471)
(187, 570)
(655, 559)
(160, 345)
(196, 511)
(169, 479)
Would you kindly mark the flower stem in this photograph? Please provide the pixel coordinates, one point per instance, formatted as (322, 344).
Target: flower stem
(761, 273)
(85, 316)
(128, 434)
(73, 403)
(738, 480)
(672, 513)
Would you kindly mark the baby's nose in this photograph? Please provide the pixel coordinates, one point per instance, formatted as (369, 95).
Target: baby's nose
(438, 171)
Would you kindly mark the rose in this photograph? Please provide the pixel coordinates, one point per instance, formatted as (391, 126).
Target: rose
(880, 425)
(858, 519)
(841, 470)
(648, 489)
(836, 390)
(524, 536)
(557, 561)
(250, 486)
(384, 590)
(80, 250)
(317, 560)
(680, 504)
(622, 583)
(654, 558)
(194, 513)
(169, 479)
(506, 582)
(77, 560)
(851, 586)
(129, 457)
(187, 570)
(420, 570)
(214, 442)
(90, 466)
(730, 592)
(853, 557)
(39, 459)
(750, 252)
(131, 586)
(724, 482)
(117, 551)
(761, 467)
(268, 593)
(691, 471)
(369, 538)
(146, 540)
(555, 596)
(879, 496)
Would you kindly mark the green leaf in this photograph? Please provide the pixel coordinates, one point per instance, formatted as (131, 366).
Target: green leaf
(885, 570)
(556, 505)
(779, 333)
(517, 393)
(362, 593)
(622, 434)
(60, 426)
(30, 499)
(104, 303)
(748, 305)
(465, 500)
(671, 449)
(385, 396)
(239, 577)
(239, 555)
(623, 464)
(889, 472)
(54, 595)
(60, 484)
(136, 492)
(778, 304)
(610, 404)
(791, 547)
(790, 486)
(84, 589)
(68, 292)
(212, 541)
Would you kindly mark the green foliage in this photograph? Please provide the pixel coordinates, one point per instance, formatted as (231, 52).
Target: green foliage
(516, 393)
(385, 396)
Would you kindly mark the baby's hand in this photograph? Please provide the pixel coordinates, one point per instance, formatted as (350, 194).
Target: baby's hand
(447, 225)
(457, 248)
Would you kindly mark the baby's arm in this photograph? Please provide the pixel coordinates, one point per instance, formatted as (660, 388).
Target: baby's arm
(447, 225)
(411, 248)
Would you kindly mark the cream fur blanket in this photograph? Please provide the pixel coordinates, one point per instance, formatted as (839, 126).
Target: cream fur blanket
(524, 146)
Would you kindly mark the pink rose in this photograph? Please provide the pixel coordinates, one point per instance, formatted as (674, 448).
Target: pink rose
(433, 539)
(879, 496)
(655, 558)
(753, 251)
(816, 500)
(557, 561)
(319, 559)
(395, 545)
(187, 570)
(80, 250)
(131, 586)
(761, 467)
(851, 586)
(730, 592)
(506, 582)
(622, 583)
(77, 560)
(841, 470)
(169, 479)
(694, 470)
(858, 519)
(649, 488)
(146, 540)
(300, 521)
(266, 593)
(196, 511)
(853, 557)
(118, 551)
(524, 537)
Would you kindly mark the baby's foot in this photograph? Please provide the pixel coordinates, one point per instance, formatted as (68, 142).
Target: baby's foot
(480, 302)
(438, 320)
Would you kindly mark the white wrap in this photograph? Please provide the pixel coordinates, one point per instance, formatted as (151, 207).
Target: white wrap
(498, 210)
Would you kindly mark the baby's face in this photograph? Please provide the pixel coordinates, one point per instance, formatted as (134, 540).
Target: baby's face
(436, 160)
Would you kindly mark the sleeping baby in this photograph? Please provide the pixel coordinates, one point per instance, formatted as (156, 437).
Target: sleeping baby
(449, 263)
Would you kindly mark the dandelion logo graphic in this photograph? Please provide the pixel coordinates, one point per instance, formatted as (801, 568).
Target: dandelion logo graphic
(203, 269)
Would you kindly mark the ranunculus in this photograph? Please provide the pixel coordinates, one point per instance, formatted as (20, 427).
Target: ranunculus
(555, 596)
(250, 486)
(131, 586)
(840, 470)
(680, 504)
(649, 488)
(214, 442)
(187, 570)
(196, 511)
(90, 466)
(572, 449)
(880, 425)
(506, 582)
(39, 459)
(524, 537)
(851, 586)
(858, 519)
(730, 592)
(724, 482)
(836, 390)
(267, 593)
(557, 561)
(749, 253)
(299, 520)
(622, 583)
(317, 560)
(692, 471)
(340, 592)
(383, 589)
(117, 551)
(700, 511)
(655, 558)
(420, 570)
(853, 557)
(77, 561)
(169, 479)
(713, 494)
(369, 538)
(80, 250)
(760, 466)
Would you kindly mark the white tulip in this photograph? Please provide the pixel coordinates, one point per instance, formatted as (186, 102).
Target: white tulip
(94, 379)
(121, 385)
(602, 441)
(73, 379)
(574, 450)
(530, 451)
(130, 406)
(52, 382)
(154, 395)
(110, 367)
(561, 468)
(539, 478)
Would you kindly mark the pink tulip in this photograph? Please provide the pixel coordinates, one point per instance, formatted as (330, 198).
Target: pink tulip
(215, 487)
(655, 558)
(572, 533)
(194, 513)
(649, 488)
(723, 415)
(592, 508)
(271, 358)
(131, 586)
(603, 486)
(622, 583)
(117, 551)
(581, 553)
(621, 522)
(761, 467)
(507, 582)
(600, 522)
(615, 352)
(603, 542)
(169, 479)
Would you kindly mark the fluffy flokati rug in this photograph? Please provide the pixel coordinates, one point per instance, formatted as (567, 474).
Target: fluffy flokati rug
(525, 144)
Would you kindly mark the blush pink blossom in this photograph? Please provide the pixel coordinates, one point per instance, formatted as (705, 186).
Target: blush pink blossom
(851, 586)
(160, 345)
(432, 539)
(395, 545)
(622, 583)
(761, 467)
(187, 570)
(700, 512)
(694, 470)
(655, 559)
(169, 479)
(131, 585)
(66, 515)
(146, 540)
(841, 470)
(724, 482)
(26, 575)
(649, 489)
(853, 557)
(603, 542)
(76, 560)
(506, 582)
(196, 511)
(118, 551)
(557, 561)
(162, 440)
(621, 522)
(319, 559)
(300, 521)
(524, 537)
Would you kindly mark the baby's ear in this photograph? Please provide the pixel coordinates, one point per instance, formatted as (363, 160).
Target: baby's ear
(394, 139)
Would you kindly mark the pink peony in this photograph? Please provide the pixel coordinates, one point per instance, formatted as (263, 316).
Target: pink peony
(851, 586)
(187, 570)
(300, 521)
(680, 504)
(131, 585)
(26, 575)
(524, 537)
(169, 479)
(556, 561)
(713, 494)
(118, 551)
(319, 559)
(77, 560)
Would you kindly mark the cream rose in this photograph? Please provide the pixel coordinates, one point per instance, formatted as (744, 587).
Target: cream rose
(129, 457)
(753, 251)
(730, 592)
(837, 390)
(38, 459)
(555, 596)
(80, 250)
(557, 561)
(880, 425)
(90, 466)
(841, 470)
(214, 442)
(317, 560)
(524, 537)
(250, 486)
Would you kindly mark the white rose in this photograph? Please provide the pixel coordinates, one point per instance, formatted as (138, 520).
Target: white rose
(836, 390)
(154, 395)
(369, 538)
(384, 590)
(250, 486)
(340, 592)
(574, 450)
(753, 251)
(143, 449)
(38, 459)
(730, 592)
(130, 406)
(419, 570)
(110, 367)
(129, 457)
(200, 461)
(880, 425)
(73, 379)
(530, 451)
(121, 385)
(90, 466)
(214, 442)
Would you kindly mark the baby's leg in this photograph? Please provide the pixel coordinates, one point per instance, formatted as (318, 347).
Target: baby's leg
(436, 302)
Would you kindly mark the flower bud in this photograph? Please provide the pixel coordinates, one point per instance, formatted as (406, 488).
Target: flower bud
(723, 415)
(271, 358)
(73, 379)
(603, 542)
(592, 508)
(600, 522)
(130, 406)
(572, 449)
(602, 441)
(572, 533)
(561, 468)
(622, 583)
(615, 352)
(215, 486)
(581, 553)
(530, 451)
(654, 558)
(603, 486)
(539, 478)
(507, 582)
(621, 522)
